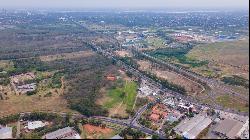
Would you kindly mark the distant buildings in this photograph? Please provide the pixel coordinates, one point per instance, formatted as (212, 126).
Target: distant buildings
(5, 133)
(191, 128)
(18, 83)
(65, 133)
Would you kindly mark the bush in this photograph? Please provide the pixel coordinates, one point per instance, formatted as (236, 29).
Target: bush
(236, 81)
(9, 119)
(29, 93)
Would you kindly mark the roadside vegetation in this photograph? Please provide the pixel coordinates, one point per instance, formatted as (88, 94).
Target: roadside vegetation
(177, 55)
(236, 81)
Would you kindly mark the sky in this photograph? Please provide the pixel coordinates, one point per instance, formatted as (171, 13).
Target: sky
(124, 4)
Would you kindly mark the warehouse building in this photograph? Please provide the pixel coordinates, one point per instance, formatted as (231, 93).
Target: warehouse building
(5, 133)
(229, 129)
(65, 133)
(191, 128)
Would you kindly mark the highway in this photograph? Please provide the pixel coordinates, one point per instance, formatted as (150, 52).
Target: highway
(213, 84)
(137, 73)
(133, 123)
(126, 123)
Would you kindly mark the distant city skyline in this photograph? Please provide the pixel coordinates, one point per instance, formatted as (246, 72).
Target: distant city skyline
(141, 4)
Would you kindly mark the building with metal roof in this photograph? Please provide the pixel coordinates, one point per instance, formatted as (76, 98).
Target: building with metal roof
(6, 133)
(65, 133)
(229, 128)
(191, 128)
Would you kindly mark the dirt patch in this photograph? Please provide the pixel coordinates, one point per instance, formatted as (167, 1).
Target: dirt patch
(90, 129)
(95, 132)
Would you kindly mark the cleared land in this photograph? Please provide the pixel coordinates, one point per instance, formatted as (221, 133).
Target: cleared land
(227, 58)
(230, 102)
(97, 132)
(18, 104)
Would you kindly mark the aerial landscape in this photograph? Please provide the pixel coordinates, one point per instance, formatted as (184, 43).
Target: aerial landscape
(110, 69)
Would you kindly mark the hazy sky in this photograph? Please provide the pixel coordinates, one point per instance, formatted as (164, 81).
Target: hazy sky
(124, 3)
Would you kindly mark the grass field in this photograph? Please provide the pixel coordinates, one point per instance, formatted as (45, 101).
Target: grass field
(23, 103)
(230, 102)
(235, 53)
(225, 58)
(131, 91)
(156, 42)
(126, 95)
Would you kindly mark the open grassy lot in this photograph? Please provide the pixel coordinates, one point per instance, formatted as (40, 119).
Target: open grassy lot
(230, 102)
(235, 53)
(156, 42)
(120, 99)
(227, 58)
(131, 91)
(126, 94)
(17, 104)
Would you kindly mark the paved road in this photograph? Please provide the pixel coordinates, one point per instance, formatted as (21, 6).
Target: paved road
(137, 73)
(213, 84)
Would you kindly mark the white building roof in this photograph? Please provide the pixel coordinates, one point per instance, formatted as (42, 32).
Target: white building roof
(191, 128)
(65, 133)
(116, 137)
(35, 124)
(6, 133)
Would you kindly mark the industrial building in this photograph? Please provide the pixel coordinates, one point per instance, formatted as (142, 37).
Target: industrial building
(229, 128)
(6, 133)
(191, 128)
(65, 133)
